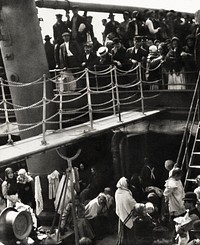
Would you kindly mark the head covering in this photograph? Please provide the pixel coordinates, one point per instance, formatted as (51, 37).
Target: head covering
(59, 15)
(153, 49)
(175, 39)
(190, 196)
(198, 178)
(190, 36)
(66, 34)
(47, 37)
(116, 40)
(122, 183)
(138, 38)
(7, 172)
(196, 226)
(102, 51)
(75, 6)
(125, 203)
(111, 15)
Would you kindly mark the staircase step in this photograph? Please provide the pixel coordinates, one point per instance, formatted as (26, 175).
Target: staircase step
(195, 166)
(191, 180)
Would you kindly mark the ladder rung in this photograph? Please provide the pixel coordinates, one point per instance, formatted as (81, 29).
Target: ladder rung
(196, 153)
(198, 140)
(194, 166)
(191, 180)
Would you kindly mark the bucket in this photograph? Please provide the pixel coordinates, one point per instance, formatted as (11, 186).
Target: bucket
(14, 224)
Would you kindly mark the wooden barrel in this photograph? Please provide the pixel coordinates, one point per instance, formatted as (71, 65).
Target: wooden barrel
(14, 224)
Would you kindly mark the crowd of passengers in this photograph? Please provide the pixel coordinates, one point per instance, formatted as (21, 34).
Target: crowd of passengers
(165, 43)
(138, 209)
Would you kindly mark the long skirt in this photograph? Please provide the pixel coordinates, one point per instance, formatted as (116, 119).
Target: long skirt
(176, 81)
(125, 235)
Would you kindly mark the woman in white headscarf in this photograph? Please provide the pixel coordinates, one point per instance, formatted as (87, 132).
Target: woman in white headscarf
(125, 204)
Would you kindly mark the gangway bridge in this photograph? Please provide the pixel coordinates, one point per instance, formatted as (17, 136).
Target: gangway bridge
(89, 102)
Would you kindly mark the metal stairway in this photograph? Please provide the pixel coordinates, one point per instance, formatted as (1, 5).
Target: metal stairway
(189, 153)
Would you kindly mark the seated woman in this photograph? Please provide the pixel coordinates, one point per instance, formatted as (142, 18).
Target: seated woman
(96, 211)
(67, 222)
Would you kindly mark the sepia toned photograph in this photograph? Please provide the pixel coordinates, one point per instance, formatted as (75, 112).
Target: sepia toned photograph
(99, 122)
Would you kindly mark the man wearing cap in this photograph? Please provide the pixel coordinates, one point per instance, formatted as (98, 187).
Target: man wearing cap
(123, 29)
(79, 26)
(89, 58)
(69, 52)
(190, 201)
(118, 53)
(58, 29)
(49, 49)
(112, 25)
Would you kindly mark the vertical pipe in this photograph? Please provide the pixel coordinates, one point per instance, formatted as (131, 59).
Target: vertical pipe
(141, 89)
(44, 111)
(117, 95)
(89, 99)
(113, 89)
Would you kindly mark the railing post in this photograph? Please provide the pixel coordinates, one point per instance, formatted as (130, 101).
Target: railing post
(44, 111)
(113, 87)
(10, 141)
(117, 95)
(89, 99)
(141, 88)
(60, 107)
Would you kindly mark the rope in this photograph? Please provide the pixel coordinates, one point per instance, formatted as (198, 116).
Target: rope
(17, 84)
(133, 102)
(101, 104)
(23, 108)
(151, 82)
(130, 97)
(75, 110)
(74, 99)
(100, 92)
(75, 118)
(23, 130)
(129, 86)
(151, 97)
(129, 71)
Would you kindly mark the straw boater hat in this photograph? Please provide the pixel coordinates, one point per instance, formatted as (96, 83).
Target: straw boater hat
(102, 51)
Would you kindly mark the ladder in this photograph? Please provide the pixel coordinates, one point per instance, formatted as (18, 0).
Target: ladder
(193, 168)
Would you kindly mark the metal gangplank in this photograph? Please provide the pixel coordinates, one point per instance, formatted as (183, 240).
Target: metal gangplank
(107, 99)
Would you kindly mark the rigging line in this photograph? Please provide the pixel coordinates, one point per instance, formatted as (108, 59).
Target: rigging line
(75, 118)
(75, 110)
(102, 87)
(151, 97)
(129, 71)
(74, 99)
(100, 104)
(100, 92)
(100, 71)
(103, 109)
(23, 130)
(130, 97)
(129, 86)
(24, 108)
(152, 69)
(54, 115)
(17, 84)
(132, 102)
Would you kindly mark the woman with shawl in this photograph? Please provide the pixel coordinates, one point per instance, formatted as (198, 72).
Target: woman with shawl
(125, 204)
(9, 188)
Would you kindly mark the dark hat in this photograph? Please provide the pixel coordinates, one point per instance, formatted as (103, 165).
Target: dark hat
(196, 226)
(116, 40)
(138, 38)
(126, 13)
(66, 34)
(47, 37)
(88, 44)
(190, 36)
(102, 51)
(190, 196)
(111, 15)
(59, 15)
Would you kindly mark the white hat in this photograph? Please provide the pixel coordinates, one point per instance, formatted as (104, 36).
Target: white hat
(102, 51)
